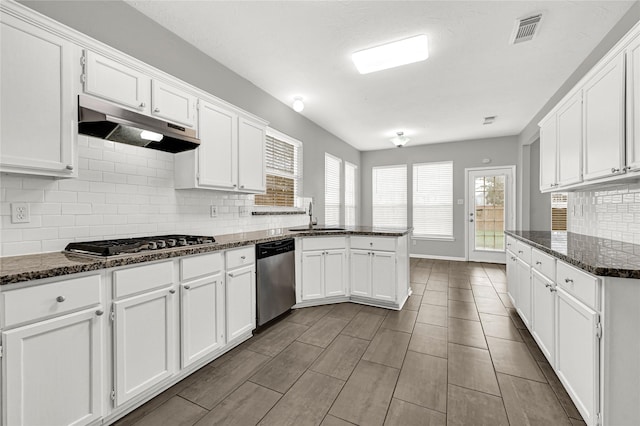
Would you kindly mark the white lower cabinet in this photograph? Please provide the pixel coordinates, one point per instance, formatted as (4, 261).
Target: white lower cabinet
(373, 274)
(323, 273)
(360, 273)
(241, 302)
(335, 268)
(578, 353)
(543, 314)
(144, 342)
(53, 371)
(524, 291)
(512, 277)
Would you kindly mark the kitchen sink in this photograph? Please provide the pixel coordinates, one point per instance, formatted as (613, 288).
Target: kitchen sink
(317, 228)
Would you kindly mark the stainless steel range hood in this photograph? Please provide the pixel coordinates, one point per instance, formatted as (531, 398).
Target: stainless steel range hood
(108, 121)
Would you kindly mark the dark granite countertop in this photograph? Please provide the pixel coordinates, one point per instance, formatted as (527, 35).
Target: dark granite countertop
(46, 265)
(598, 256)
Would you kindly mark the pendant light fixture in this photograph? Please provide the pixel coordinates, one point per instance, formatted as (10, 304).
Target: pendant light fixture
(399, 140)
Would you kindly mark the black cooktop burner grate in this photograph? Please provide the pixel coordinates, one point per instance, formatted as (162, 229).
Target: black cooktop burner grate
(136, 245)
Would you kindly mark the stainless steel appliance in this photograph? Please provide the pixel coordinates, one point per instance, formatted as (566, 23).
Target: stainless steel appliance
(275, 281)
(136, 245)
(108, 121)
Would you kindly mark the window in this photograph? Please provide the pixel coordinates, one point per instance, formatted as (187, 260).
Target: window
(433, 200)
(559, 211)
(283, 163)
(389, 196)
(350, 193)
(332, 189)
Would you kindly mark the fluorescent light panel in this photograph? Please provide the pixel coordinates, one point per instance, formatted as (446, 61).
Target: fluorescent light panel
(151, 136)
(391, 55)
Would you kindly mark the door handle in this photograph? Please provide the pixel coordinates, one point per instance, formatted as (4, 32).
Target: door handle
(470, 220)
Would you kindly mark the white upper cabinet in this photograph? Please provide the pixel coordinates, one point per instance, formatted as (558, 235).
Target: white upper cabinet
(251, 143)
(173, 104)
(570, 141)
(38, 107)
(633, 104)
(549, 153)
(604, 110)
(116, 82)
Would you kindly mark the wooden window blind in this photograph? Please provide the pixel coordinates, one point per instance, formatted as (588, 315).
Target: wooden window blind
(389, 197)
(282, 163)
(559, 202)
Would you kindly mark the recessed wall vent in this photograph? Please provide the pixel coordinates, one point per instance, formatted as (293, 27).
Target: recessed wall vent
(525, 29)
(490, 120)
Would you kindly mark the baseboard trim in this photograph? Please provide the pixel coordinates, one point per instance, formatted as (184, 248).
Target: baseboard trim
(430, 256)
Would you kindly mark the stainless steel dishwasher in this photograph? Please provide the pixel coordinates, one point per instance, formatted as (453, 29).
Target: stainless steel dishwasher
(276, 279)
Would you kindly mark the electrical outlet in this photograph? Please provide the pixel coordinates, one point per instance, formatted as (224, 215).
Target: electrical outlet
(244, 211)
(214, 211)
(20, 213)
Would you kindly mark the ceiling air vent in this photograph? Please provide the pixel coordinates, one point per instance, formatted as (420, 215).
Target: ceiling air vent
(489, 120)
(525, 29)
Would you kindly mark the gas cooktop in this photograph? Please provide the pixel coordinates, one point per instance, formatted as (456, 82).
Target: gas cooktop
(136, 245)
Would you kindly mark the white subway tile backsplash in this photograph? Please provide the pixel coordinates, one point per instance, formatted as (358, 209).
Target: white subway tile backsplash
(25, 195)
(76, 208)
(61, 197)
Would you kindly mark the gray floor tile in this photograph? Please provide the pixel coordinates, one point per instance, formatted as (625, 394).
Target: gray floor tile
(419, 275)
(472, 368)
(463, 310)
(402, 413)
(460, 294)
(388, 347)
(281, 372)
(517, 321)
(480, 280)
(466, 332)
(345, 311)
(431, 314)
(374, 310)
(531, 403)
(330, 420)
(323, 332)
(429, 339)
(400, 320)
(245, 406)
(306, 403)
(272, 341)
(176, 411)
(484, 291)
(576, 422)
(438, 285)
(309, 316)
(423, 381)
(499, 326)
(469, 407)
(363, 326)
(438, 298)
(457, 282)
(506, 301)
(418, 288)
(559, 390)
(513, 358)
(533, 347)
(438, 276)
(412, 303)
(491, 306)
(370, 407)
(500, 287)
(341, 357)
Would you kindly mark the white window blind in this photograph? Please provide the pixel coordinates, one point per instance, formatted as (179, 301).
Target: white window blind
(350, 193)
(433, 199)
(283, 165)
(332, 189)
(389, 196)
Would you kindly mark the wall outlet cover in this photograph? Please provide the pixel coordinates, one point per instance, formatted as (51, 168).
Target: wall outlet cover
(214, 211)
(244, 211)
(20, 213)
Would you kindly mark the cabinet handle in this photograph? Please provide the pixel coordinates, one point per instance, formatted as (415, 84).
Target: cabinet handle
(520, 251)
(508, 244)
(513, 258)
(60, 299)
(99, 312)
(234, 185)
(243, 257)
(231, 275)
(156, 110)
(172, 291)
(142, 105)
(568, 280)
(626, 169)
(547, 285)
(538, 262)
(553, 289)
(69, 167)
(614, 170)
(187, 287)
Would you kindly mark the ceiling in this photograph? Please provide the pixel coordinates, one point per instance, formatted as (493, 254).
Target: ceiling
(291, 48)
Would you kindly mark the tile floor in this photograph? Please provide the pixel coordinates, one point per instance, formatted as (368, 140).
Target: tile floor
(457, 354)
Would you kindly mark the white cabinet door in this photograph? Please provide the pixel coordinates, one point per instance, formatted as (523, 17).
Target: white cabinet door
(53, 371)
(512, 277)
(312, 275)
(115, 82)
(202, 318)
(543, 314)
(548, 153)
(524, 292)
(38, 108)
(383, 276)
(334, 273)
(633, 104)
(578, 354)
(570, 141)
(218, 151)
(144, 341)
(360, 273)
(172, 104)
(604, 119)
(241, 302)
(251, 142)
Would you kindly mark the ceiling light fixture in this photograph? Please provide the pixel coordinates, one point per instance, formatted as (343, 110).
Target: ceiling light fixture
(298, 105)
(400, 140)
(391, 55)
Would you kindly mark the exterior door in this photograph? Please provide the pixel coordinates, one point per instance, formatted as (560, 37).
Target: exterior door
(491, 210)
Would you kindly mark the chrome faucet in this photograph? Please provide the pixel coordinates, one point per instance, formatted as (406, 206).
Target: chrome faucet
(310, 215)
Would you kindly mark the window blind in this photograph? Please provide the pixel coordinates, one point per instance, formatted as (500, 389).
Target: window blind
(433, 199)
(283, 169)
(332, 189)
(350, 193)
(389, 198)
(559, 202)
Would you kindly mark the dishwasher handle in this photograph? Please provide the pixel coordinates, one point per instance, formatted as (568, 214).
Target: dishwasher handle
(274, 248)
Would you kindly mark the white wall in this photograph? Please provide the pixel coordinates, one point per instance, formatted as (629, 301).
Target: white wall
(540, 211)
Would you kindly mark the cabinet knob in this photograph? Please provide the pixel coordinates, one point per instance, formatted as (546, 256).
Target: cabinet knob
(234, 185)
(99, 312)
(187, 287)
(568, 280)
(156, 110)
(142, 105)
(241, 186)
(520, 251)
(538, 262)
(69, 167)
(470, 220)
(231, 275)
(60, 299)
(614, 170)
(243, 257)
(553, 289)
(172, 291)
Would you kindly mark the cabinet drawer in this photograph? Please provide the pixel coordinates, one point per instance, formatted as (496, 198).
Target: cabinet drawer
(511, 244)
(543, 263)
(32, 303)
(198, 266)
(142, 278)
(369, 243)
(241, 257)
(523, 251)
(324, 243)
(577, 283)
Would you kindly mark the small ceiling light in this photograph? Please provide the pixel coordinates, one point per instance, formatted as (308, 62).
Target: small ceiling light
(151, 136)
(298, 105)
(390, 55)
(400, 140)
(489, 120)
